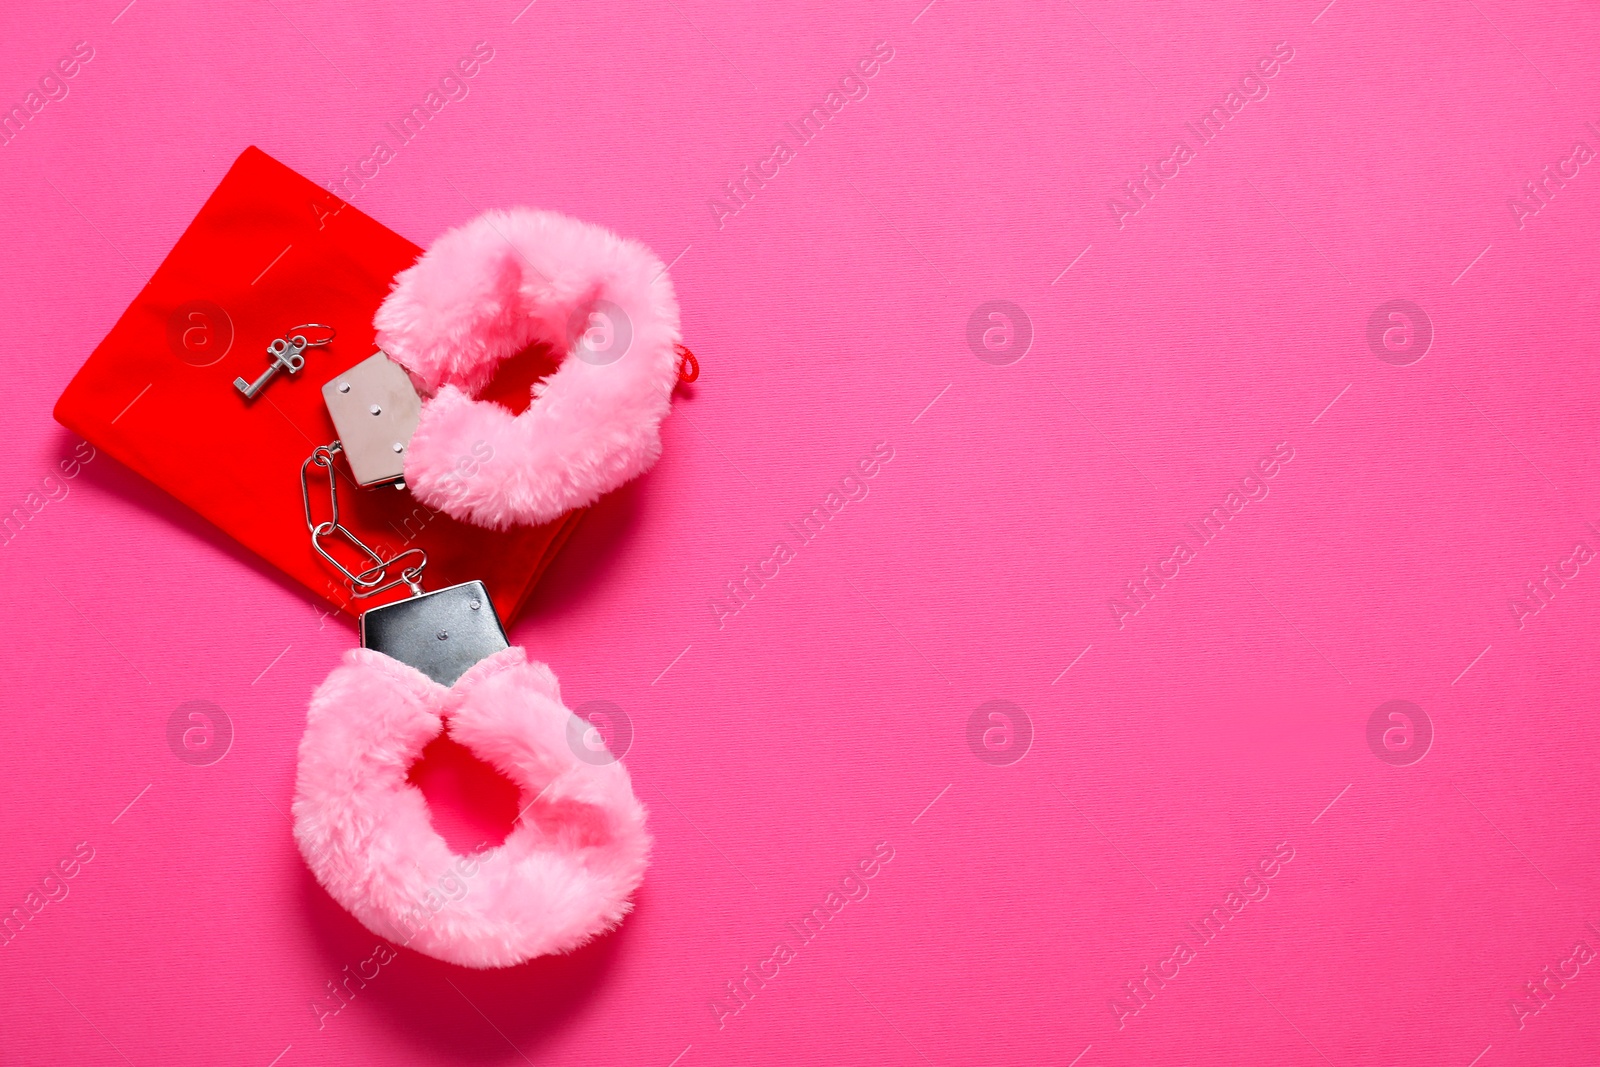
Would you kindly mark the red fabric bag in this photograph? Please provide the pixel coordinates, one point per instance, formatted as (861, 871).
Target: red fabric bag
(270, 251)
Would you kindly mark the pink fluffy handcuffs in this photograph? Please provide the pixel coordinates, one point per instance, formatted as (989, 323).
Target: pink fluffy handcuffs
(579, 848)
(485, 292)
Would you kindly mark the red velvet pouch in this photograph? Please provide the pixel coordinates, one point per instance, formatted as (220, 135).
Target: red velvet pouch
(270, 251)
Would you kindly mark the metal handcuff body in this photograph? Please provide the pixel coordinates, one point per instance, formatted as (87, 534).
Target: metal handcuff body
(440, 661)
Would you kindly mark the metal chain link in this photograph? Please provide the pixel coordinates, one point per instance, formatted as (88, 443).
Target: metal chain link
(374, 579)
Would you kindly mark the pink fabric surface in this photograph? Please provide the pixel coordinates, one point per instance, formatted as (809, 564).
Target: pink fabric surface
(836, 717)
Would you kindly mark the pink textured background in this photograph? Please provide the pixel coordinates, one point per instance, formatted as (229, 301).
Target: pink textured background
(826, 715)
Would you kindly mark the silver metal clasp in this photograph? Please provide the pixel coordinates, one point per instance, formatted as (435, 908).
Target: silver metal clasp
(375, 409)
(442, 634)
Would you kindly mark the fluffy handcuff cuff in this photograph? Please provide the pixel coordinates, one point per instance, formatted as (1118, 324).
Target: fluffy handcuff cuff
(439, 661)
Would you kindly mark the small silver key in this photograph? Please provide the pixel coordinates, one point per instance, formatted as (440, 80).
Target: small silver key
(287, 354)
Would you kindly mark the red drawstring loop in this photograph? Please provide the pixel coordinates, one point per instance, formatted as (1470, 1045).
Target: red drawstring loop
(688, 366)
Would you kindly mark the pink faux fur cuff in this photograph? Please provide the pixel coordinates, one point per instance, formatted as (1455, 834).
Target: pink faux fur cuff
(484, 292)
(565, 874)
